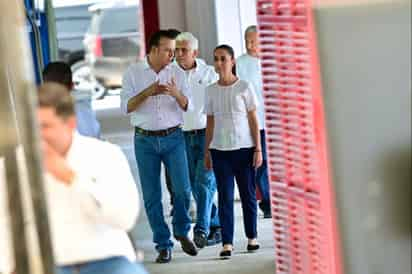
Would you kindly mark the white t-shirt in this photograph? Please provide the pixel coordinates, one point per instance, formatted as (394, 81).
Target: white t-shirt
(230, 106)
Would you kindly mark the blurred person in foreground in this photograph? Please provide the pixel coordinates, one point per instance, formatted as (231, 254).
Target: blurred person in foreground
(91, 194)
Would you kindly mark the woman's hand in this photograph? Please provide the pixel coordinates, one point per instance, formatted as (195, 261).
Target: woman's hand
(208, 161)
(257, 159)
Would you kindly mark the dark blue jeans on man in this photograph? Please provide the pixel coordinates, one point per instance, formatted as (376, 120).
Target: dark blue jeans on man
(115, 265)
(150, 152)
(228, 165)
(202, 181)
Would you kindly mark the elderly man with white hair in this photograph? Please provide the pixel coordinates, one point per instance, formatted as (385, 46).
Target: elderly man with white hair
(199, 75)
(248, 69)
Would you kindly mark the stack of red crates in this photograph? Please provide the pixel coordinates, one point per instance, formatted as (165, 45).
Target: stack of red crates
(303, 209)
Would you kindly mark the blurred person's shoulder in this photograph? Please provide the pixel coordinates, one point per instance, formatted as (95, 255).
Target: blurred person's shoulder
(100, 147)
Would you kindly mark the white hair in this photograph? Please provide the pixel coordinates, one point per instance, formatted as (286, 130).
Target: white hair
(187, 36)
(251, 28)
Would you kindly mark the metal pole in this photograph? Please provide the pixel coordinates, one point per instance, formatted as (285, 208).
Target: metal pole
(8, 144)
(17, 65)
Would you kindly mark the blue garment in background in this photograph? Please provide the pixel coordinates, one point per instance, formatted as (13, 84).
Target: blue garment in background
(203, 183)
(87, 124)
(115, 265)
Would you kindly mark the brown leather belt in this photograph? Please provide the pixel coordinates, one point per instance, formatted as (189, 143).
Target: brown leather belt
(163, 132)
(195, 131)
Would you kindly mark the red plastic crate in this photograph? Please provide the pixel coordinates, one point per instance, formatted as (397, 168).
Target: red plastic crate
(303, 208)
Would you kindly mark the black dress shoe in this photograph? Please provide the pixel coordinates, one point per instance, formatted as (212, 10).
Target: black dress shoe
(200, 239)
(215, 236)
(225, 254)
(251, 248)
(187, 245)
(165, 256)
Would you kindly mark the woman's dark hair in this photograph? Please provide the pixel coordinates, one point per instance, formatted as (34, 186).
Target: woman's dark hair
(230, 51)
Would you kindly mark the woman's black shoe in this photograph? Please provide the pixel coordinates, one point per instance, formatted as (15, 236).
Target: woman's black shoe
(225, 253)
(252, 247)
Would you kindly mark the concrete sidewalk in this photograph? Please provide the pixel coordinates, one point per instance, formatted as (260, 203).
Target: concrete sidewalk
(207, 261)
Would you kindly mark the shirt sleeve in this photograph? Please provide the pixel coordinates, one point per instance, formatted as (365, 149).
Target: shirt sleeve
(208, 102)
(128, 90)
(185, 88)
(111, 196)
(250, 98)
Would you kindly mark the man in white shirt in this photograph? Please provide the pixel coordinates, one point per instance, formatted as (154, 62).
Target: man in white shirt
(87, 123)
(203, 181)
(91, 194)
(155, 95)
(248, 69)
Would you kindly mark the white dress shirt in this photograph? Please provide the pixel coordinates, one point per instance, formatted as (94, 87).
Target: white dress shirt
(199, 78)
(90, 218)
(229, 106)
(248, 68)
(156, 112)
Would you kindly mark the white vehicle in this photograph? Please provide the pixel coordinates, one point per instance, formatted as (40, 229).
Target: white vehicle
(72, 22)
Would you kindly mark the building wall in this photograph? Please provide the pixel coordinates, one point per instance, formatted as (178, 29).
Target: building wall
(212, 22)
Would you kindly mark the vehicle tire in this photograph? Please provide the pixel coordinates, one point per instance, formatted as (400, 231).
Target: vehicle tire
(83, 80)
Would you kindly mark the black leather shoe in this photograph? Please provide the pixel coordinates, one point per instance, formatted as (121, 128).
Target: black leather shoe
(215, 236)
(252, 248)
(187, 245)
(225, 254)
(165, 256)
(200, 239)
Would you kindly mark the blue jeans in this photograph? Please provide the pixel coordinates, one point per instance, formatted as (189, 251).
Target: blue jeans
(228, 165)
(203, 183)
(262, 179)
(150, 152)
(115, 265)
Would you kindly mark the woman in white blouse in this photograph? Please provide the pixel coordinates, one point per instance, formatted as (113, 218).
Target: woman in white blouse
(233, 146)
